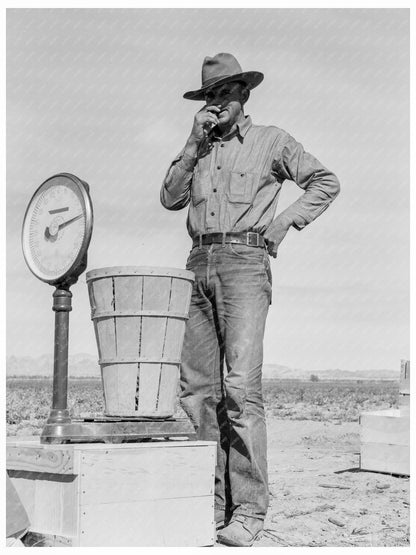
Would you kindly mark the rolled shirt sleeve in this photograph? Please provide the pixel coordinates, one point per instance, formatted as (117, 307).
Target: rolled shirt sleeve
(176, 188)
(321, 185)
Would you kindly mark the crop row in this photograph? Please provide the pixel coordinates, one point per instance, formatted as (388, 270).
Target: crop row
(28, 401)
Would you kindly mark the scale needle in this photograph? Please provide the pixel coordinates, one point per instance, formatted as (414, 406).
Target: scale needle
(48, 232)
(59, 210)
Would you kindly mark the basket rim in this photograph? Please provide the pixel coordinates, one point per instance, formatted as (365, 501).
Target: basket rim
(113, 271)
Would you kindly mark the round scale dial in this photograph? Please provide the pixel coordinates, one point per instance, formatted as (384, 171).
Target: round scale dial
(57, 229)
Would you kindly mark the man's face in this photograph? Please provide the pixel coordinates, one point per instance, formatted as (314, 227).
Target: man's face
(230, 98)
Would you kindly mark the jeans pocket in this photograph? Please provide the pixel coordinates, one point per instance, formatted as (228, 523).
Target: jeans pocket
(269, 276)
(196, 257)
(266, 260)
(246, 252)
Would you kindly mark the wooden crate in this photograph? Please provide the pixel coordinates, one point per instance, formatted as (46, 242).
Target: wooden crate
(138, 494)
(405, 377)
(404, 390)
(385, 441)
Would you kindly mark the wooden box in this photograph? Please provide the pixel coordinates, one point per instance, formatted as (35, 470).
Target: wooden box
(385, 441)
(404, 391)
(157, 493)
(405, 377)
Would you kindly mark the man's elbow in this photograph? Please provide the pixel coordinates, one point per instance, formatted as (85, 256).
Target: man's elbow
(168, 202)
(336, 186)
(172, 206)
(328, 184)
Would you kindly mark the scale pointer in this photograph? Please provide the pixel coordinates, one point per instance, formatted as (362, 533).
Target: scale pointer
(49, 233)
(58, 210)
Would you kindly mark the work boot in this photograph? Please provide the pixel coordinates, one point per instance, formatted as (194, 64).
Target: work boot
(242, 531)
(219, 519)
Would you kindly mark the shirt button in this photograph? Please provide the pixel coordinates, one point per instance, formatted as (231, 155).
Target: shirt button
(215, 190)
(222, 145)
(241, 175)
(212, 213)
(218, 167)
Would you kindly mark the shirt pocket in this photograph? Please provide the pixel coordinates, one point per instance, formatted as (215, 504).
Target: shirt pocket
(241, 187)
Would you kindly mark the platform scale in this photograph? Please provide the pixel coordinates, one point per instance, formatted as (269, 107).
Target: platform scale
(56, 233)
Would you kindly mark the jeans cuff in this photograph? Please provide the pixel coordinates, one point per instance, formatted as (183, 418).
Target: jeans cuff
(249, 515)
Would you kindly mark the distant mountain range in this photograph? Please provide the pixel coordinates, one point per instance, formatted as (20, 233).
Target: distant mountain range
(277, 371)
(85, 365)
(79, 366)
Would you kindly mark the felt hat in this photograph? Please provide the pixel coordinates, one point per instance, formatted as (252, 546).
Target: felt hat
(223, 68)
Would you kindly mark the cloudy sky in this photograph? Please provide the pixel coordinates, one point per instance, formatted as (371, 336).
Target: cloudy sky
(98, 93)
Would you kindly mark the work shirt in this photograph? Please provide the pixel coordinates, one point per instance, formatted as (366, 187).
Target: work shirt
(235, 181)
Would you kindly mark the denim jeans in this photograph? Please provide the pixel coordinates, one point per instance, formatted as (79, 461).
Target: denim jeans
(230, 300)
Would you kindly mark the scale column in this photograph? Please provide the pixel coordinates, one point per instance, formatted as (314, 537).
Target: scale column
(62, 305)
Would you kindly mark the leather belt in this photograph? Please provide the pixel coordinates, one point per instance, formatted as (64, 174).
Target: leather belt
(249, 238)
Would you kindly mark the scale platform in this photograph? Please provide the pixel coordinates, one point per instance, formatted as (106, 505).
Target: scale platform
(115, 429)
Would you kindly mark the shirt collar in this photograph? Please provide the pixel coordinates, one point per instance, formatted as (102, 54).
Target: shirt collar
(244, 126)
(241, 130)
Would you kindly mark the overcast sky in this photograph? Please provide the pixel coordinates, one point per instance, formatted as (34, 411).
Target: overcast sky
(98, 93)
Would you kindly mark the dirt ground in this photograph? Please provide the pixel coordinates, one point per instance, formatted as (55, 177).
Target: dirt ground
(319, 497)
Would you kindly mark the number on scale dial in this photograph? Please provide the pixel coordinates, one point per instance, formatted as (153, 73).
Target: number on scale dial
(57, 228)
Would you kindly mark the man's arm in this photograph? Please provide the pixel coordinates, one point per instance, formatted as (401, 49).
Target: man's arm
(321, 187)
(176, 188)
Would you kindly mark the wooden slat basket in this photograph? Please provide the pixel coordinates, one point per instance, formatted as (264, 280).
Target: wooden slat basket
(139, 316)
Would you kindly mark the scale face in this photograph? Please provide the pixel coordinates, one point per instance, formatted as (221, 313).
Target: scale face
(57, 229)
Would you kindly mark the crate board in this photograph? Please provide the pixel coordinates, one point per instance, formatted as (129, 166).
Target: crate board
(385, 441)
(389, 459)
(391, 426)
(405, 377)
(404, 401)
(180, 522)
(136, 494)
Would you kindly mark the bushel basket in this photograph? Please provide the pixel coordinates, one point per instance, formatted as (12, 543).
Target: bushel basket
(139, 316)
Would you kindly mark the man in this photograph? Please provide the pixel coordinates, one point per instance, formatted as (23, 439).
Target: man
(230, 173)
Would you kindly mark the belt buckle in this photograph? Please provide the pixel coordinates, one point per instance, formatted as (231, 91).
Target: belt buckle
(249, 235)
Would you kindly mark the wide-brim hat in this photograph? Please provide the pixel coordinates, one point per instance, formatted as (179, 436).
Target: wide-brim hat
(220, 69)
